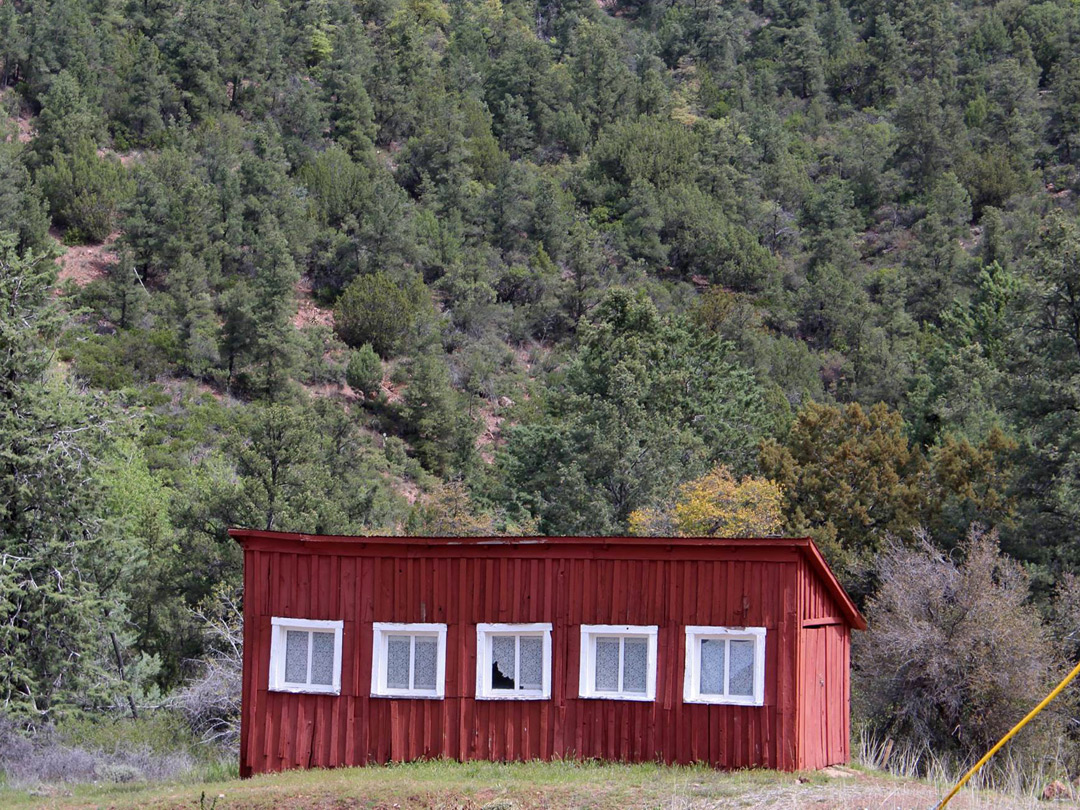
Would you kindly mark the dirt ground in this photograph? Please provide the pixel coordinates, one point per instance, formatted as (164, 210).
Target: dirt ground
(308, 313)
(85, 263)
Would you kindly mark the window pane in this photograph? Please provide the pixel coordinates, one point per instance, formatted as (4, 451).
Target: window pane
(607, 664)
(635, 665)
(397, 661)
(322, 658)
(296, 644)
(532, 663)
(427, 650)
(712, 666)
(502, 662)
(741, 677)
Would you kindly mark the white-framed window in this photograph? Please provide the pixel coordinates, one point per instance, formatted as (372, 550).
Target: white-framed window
(618, 662)
(305, 656)
(513, 661)
(408, 660)
(725, 665)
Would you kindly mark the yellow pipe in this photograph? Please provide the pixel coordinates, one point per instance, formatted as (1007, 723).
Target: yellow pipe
(1045, 702)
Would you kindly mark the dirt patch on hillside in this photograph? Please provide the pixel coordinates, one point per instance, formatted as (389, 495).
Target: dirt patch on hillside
(308, 313)
(491, 437)
(409, 490)
(85, 263)
(127, 159)
(492, 414)
(332, 390)
(24, 122)
(391, 389)
(24, 132)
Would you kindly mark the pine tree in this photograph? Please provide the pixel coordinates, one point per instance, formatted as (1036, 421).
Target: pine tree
(55, 553)
(352, 116)
(12, 43)
(195, 316)
(238, 331)
(21, 206)
(66, 118)
(85, 190)
(125, 292)
(643, 222)
(275, 462)
(364, 372)
(443, 430)
(146, 89)
(273, 346)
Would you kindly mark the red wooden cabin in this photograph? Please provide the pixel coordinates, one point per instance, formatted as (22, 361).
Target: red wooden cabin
(371, 649)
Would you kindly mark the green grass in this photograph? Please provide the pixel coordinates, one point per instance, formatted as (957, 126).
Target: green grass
(160, 732)
(422, 784)
(445, 785)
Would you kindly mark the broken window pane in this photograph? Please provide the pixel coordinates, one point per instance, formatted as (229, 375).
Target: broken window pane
(741, 677)
(607, 664)
(635, 665)
(712, 666)
(532, 663)
(427, 650)
(398, 655)
(502, 662)
(296, 656)
(322, 658)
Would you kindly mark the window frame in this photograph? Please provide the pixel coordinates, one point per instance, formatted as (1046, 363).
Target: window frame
(279, 626)
(381, 631)
(587, 663)
(484, 634)
(695, 634)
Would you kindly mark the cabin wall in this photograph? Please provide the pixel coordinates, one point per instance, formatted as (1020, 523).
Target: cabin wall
(824, 680)
(462, 586)
(816, 604)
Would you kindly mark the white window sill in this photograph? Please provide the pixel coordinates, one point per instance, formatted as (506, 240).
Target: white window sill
(720, 700)
(301, 689)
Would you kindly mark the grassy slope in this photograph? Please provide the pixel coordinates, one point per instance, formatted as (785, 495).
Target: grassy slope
(557, 786)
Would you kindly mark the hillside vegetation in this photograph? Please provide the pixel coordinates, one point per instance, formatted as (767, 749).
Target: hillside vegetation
(540, 266)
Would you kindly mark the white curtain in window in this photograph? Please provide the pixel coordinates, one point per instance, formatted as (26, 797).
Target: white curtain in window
(427, 651)
(503, 654)
(532, 662)
(296, 656)
(741, 674)
(712, 666)
(398, 661)
(322, 658)
(607, 664)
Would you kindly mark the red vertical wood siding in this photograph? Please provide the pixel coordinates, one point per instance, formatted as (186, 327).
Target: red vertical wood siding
(667, 583)
(824, 698)
(817, 602)
(824, 724)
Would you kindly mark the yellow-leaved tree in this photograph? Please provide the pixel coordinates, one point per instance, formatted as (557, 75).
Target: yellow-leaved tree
(715, 505)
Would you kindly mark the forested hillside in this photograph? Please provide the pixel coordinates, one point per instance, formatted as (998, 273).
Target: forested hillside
(414, 266)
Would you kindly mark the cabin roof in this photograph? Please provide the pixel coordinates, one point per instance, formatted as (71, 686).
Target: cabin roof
(326, 543)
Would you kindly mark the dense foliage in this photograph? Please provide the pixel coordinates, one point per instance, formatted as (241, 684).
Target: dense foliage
(519, 265)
